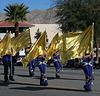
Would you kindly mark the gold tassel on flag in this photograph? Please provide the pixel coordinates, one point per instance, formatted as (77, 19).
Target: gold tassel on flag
(21, 41)
(38, 49)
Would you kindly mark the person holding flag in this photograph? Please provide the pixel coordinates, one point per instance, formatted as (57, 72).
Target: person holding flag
(32, 66)
(41, 62)
(7, 61)
(53, 54)
(87, 67)
(38, 53)
(7, 54)
(56, 61)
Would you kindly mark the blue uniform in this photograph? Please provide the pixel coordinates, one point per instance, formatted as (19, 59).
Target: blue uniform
(42, 66)
(7, 59)
(56, 61)
(87, 67)
(32, 66)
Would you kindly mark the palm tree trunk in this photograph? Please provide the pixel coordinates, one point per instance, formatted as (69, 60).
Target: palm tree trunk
(16, 28)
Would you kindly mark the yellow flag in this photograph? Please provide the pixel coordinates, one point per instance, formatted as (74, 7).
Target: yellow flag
(52, 47)
(61, 46)
(21, 41)
(38, 49)
(5, 44)
(76, 44)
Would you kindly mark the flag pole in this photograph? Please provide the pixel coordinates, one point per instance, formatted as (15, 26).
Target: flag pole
(11, 60)
(62, 68)
(11, 66)
(92, 60)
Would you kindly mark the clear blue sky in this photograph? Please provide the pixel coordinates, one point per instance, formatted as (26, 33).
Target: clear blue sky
(32, 4)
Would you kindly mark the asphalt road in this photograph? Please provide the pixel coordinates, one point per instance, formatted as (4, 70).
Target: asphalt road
(70, 84)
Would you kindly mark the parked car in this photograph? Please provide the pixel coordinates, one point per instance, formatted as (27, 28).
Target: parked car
(70, 63)
(74, 63)
(50, 62)
(77, 62)
(1, 60)
(19, 61)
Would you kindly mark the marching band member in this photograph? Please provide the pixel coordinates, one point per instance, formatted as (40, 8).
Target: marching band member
(7, 61)
(87, 67)
(32, 66)
(56, 61)
(41, 61)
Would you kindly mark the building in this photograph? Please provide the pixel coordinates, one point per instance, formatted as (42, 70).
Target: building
(6, 26)
(51, 29)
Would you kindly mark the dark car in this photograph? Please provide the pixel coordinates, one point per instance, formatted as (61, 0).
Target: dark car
(1, 60)
(50, 62)
(70, 63)
(77, 62)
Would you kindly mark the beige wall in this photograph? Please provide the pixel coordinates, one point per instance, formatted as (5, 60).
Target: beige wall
(51, 30)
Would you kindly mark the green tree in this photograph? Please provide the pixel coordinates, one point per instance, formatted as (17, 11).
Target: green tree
(16, 13)
(74, 15)
(37, 34)
(47, 38)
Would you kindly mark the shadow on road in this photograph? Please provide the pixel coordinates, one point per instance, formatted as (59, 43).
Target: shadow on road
(38, 87)
(2, 83)
(50, 78)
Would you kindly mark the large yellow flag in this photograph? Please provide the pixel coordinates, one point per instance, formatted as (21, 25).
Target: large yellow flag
(21, 41)
(38, 49)
(61, 46)
(5, 44)
(76, 44)
(52, 47)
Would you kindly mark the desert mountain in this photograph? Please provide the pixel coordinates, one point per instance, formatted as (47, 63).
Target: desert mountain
(38, 16)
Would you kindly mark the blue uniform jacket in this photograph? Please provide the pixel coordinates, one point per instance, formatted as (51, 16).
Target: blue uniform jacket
(7, 57)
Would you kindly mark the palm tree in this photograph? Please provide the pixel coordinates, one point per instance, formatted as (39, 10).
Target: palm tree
(37, 34)
(16, 13)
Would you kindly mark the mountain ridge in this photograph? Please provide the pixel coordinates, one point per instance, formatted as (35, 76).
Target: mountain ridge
(38, 16)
